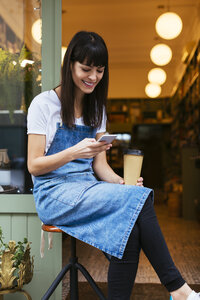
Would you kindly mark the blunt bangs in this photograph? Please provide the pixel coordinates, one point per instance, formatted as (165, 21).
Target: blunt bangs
(94, 52)
(94, 56)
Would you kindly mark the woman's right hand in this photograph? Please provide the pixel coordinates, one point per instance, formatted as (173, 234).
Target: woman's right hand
(89, 148)
(39, 164)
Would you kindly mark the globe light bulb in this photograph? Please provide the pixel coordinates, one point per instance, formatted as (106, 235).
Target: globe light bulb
(161, 54)
(37, 31)
(169, 25)
(152, 90)
(157, 75)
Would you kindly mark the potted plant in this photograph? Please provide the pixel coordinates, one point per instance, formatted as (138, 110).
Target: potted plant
(19, 82)
(16, 264)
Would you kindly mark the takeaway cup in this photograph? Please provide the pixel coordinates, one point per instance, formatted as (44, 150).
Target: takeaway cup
(132, 165)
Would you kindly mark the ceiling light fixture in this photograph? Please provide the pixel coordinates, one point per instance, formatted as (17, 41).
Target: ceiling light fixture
(169, 25)
(157, 75)
(37, 31)
(152, 90)
(161, 54)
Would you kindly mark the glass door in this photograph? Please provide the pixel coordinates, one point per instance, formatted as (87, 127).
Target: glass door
(20, 81)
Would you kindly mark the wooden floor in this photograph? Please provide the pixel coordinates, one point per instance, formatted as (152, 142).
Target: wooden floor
(183, 240)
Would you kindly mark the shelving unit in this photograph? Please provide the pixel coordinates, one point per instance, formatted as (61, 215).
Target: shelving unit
(185, 107)
(185, 135)
(124, 113)
(148, 122)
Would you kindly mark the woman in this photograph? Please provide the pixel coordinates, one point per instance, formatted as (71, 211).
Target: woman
(64, 125)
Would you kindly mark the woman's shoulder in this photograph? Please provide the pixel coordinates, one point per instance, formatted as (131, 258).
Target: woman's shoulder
(48, 98)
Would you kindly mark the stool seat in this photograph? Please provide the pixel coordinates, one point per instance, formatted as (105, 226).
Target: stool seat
(50, 228)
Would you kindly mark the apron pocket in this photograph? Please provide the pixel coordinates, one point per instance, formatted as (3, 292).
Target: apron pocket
(68, 192)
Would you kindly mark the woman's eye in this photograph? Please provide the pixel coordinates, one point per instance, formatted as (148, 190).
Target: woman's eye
(85, 70)
(100, 71)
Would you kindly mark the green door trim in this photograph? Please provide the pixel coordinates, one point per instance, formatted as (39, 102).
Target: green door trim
(51, 43)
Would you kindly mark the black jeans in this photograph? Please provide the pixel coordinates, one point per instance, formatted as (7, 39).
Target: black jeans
(146, 235)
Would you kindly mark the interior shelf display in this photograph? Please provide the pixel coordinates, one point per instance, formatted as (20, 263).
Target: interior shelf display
(185, 107)
(124, 113)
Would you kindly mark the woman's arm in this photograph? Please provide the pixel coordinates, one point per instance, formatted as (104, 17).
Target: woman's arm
(39, 164)
(105, 172)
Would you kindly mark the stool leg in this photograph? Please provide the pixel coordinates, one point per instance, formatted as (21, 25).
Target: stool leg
(91, 281)
(73, 283)
(56, 282)
(73, 272)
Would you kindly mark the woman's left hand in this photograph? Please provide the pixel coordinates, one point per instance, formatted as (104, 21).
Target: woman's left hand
(140, 182)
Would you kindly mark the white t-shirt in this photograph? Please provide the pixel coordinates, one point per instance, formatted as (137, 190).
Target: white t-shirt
(44, 114)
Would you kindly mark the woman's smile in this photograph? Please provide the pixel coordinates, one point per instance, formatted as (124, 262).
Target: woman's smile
(89, 84)
(86, 77)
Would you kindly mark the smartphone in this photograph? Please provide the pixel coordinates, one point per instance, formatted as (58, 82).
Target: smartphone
(107, 138)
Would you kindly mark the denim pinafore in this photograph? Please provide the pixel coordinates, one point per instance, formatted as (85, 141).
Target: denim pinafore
(99, 213)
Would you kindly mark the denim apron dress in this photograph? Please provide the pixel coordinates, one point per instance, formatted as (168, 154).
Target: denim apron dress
(96, 212)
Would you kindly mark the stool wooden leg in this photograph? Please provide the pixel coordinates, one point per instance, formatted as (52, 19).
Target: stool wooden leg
(1, 297)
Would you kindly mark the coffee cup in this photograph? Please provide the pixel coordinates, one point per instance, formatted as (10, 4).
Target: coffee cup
(133, 160)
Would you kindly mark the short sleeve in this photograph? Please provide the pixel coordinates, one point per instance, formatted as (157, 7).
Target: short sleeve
(102, 128)
(37, 118)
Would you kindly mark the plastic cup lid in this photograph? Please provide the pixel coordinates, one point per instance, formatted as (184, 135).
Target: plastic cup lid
(134, 152)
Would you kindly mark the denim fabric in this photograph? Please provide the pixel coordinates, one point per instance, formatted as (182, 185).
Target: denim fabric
(99, 213)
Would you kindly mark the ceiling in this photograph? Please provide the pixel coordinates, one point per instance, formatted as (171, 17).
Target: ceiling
(128, 28)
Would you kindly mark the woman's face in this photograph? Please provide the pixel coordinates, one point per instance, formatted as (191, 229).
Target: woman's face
(86, 77)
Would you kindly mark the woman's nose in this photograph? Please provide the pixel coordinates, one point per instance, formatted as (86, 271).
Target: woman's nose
(93, 76)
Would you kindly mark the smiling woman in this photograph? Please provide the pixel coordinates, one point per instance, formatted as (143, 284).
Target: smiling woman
(74, 187)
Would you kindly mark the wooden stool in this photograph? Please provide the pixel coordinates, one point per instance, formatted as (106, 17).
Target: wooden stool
(73, 266)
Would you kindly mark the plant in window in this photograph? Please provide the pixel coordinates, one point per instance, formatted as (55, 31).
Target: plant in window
(19, 79)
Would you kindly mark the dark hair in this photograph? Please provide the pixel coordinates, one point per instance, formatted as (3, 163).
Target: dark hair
(86, 47)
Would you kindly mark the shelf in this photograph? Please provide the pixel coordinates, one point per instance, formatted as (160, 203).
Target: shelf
(186, 108)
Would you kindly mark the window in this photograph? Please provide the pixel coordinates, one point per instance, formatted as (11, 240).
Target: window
(20, 81)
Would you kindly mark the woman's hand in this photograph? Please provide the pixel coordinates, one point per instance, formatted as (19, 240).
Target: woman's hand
(140, 182)
(121, 180)
(39, 164)
(118, 179)
(89, 148)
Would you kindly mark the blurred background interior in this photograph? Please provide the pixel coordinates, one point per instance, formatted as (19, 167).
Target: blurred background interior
(154, 92)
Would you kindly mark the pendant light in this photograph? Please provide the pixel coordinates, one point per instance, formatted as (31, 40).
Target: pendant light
(157, 75)
(37, 31)
(152, 90)
(161, 54)
(169, 25)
